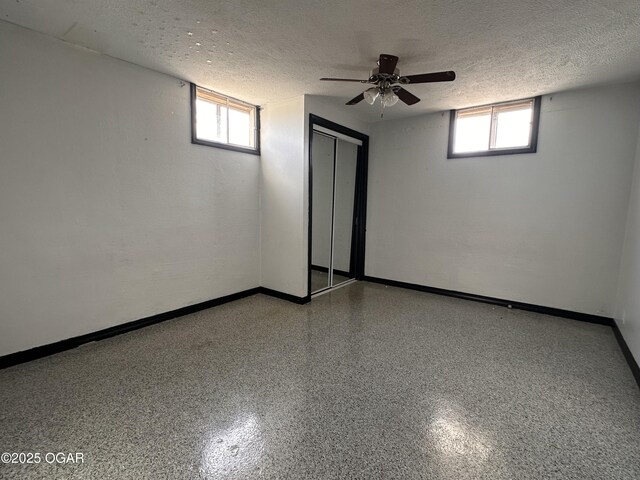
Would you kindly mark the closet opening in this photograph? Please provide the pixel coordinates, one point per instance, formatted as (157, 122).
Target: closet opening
(338, 158)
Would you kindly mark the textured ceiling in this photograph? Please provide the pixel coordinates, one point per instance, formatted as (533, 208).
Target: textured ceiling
(264, 51)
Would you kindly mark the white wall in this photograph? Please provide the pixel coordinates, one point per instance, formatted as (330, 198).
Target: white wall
(543, 228)
(108, 213)
(282, 228)
(627, 313)
(326, 108)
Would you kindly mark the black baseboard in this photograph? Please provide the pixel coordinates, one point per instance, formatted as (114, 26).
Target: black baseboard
(284, 296)
(52, 348)
(556, 312)
(633, 364)
(68, 344)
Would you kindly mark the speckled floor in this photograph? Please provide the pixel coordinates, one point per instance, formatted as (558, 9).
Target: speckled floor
(366, 382)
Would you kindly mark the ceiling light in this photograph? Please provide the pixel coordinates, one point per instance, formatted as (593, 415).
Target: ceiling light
(389, 99)
(370, 95)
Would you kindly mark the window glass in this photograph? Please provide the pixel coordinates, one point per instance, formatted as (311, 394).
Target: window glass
(239, 127)
(472, 132)
(211, 120)
(513, 127)
(502, 128)
(222, 120)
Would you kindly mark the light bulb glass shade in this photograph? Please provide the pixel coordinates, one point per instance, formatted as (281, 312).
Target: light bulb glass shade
(389, 99)
(370, 95)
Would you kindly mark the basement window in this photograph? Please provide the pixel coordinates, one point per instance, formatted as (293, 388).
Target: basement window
(224, 122)
(499, 129)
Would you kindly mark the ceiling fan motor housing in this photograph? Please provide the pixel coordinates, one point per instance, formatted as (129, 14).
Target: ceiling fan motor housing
(377, 77)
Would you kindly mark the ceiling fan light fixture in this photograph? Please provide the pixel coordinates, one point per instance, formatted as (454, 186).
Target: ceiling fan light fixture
(389, 99)
(370, 95)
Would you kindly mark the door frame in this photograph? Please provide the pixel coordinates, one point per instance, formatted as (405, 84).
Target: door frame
(358, 238)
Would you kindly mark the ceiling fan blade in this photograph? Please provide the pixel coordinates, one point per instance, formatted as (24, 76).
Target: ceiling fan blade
(387, 63)
(407, 97)
(430, 77)
(343, 80)
(355, 100)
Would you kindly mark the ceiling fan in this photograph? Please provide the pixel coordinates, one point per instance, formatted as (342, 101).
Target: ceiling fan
(388, 83)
